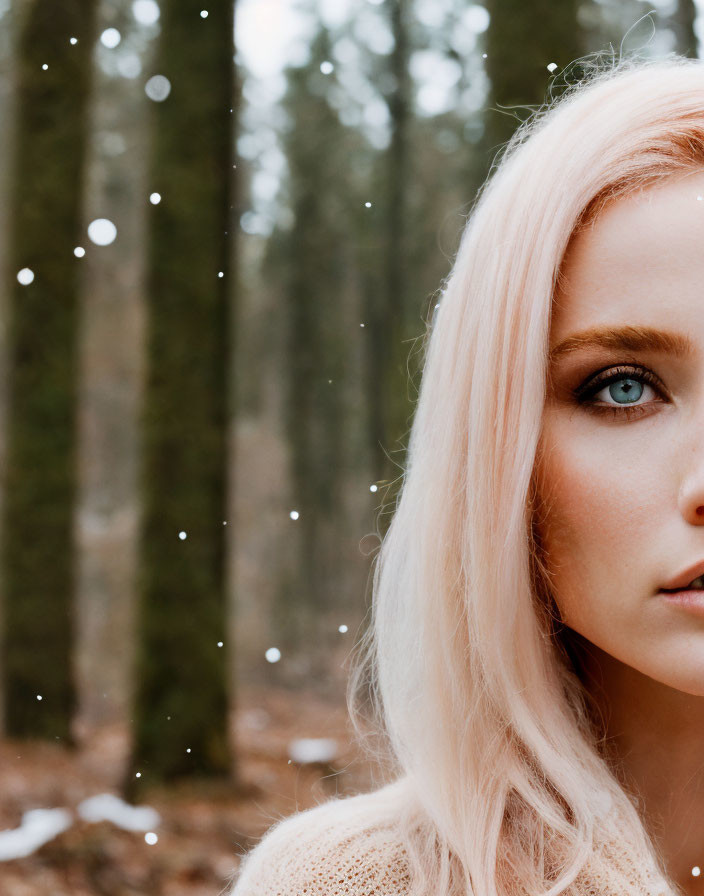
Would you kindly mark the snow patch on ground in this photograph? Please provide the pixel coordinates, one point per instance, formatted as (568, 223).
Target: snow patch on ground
(312, 749)
(108, 807)
(39, 826)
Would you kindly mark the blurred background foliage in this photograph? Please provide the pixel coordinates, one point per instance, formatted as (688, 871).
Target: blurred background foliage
(224, 229)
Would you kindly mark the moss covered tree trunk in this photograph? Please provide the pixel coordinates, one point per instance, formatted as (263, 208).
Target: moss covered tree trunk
(181, 671)
(37, 555)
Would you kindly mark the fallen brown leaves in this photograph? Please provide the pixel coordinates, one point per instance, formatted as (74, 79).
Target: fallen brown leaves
(206, 825)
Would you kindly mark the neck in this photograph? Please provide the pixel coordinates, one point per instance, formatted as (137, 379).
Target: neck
(653, 735)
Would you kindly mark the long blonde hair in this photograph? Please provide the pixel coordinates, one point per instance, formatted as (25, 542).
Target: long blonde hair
(472, 690)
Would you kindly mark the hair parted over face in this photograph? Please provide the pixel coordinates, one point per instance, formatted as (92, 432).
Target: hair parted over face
(620, 466)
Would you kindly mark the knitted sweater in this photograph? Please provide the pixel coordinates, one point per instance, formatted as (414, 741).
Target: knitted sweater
(350, 847)
(344, 847)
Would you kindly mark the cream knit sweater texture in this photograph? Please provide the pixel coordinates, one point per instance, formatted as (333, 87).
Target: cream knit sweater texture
(350, 847)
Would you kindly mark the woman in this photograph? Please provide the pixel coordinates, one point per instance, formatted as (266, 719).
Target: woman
(539, 684)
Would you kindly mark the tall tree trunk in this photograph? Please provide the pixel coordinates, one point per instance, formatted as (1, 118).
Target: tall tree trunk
(232, 409)
(37, 555)
(182, 699)
(110, 390)
(389, 407)
(310, 264)
(8, 87)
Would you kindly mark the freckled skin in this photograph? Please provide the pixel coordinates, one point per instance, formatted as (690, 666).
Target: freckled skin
(620, 499)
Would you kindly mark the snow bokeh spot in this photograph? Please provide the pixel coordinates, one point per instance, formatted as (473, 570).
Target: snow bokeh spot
(110, 38)
(146, 12)
(102, 232)
(157, 88)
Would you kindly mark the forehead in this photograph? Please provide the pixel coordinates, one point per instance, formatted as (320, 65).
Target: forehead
(640, 261)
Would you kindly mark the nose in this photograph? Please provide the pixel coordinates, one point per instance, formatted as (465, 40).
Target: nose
(692, 505)
(692, 499)
(691, 494)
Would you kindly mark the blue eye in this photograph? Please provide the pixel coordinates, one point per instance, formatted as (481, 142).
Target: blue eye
(627, 383)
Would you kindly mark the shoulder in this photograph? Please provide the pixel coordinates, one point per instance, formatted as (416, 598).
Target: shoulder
(342, 847)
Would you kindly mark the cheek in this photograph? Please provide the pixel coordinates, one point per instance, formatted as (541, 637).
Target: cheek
(597, 517)
(605, 512)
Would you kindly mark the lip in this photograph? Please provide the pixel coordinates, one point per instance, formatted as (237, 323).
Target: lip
(692, 601)
(684, 578)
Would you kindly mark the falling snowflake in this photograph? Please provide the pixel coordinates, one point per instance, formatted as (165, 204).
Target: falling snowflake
(102, 232)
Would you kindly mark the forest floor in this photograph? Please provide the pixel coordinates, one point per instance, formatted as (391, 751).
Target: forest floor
(205, 827)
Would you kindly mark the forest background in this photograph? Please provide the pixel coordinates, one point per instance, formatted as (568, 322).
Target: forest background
(224, 229)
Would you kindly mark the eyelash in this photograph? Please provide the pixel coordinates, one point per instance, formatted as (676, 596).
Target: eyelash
(585, 392)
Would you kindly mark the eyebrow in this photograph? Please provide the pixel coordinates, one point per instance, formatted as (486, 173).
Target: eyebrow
(626, 339)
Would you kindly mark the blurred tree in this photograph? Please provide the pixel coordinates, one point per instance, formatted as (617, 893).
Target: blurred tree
(424, 182)
(234, 298)
(518, 53)
(181, 673)
(388, 396)
(624, 28)
(112, 347)
(313, 259)
(45, 205)
(258, 535)
(682, 19)
(8, 90)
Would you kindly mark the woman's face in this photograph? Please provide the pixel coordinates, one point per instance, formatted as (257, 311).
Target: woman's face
(620, 471)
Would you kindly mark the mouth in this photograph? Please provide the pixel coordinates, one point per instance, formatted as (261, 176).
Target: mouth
(689, 579)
